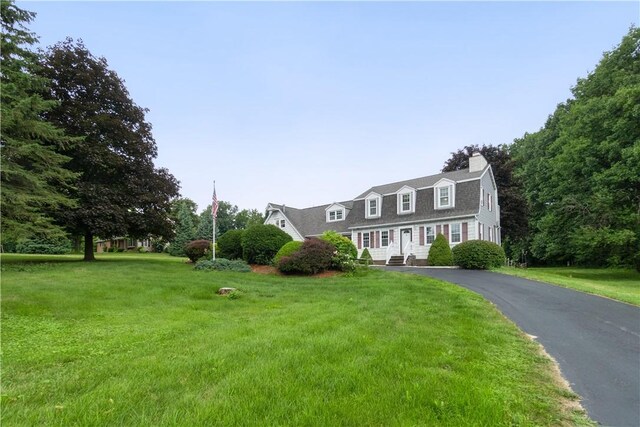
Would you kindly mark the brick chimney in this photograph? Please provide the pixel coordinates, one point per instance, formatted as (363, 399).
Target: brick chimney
(477, 162)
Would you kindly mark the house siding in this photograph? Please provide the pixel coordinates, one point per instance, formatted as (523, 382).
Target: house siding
(486, 217)
(275, 218)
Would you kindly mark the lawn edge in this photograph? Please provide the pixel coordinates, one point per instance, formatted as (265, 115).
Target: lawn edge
(511, 273)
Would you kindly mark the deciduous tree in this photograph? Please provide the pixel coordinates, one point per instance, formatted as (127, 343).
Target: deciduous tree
(120, 191)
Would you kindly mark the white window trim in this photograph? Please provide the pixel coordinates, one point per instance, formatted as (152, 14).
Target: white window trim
(490, 202)
(368, 236)
(336, 215)
(451, 232)
(282, 223)
(426, 235)
(412, 201)
(378, 199)
(452, 194)
(381, 239)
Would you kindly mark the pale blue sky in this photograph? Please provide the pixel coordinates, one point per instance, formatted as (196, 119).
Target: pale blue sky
(308, 103)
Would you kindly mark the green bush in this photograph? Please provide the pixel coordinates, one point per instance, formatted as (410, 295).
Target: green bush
(313, 257)
(343, 245)
(198, 249)
(365, 257)
(260, 243)
(44, 245)
(478, 255)
(440, 252)
(287, 250)
(222, 264)
(229, 245)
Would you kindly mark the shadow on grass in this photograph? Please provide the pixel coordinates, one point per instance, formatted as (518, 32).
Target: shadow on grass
(15, 260)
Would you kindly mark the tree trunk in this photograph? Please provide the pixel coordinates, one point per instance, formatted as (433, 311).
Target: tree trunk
(76, 243)
(88, 246)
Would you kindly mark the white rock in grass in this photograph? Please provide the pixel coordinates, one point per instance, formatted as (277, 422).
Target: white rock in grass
(225, 291)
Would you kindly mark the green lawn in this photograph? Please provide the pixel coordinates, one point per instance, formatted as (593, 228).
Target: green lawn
(143, 340)
(618, 284)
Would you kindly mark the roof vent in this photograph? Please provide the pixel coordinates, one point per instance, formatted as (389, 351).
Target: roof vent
(477, 162)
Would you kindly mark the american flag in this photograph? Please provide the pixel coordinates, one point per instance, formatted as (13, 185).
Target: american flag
(214, 203)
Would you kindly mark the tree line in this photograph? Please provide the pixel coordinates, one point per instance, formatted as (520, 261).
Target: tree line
(570, 192)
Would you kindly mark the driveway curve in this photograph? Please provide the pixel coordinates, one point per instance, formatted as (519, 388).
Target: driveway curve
(595, 340)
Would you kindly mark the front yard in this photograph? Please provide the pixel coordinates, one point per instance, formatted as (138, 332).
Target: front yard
(144, 340)
(615, 283)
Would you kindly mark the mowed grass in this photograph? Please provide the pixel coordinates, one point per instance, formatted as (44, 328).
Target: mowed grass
(144, 340)
(616, 283)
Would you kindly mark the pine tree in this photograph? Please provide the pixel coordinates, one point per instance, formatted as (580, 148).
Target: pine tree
(35, 180)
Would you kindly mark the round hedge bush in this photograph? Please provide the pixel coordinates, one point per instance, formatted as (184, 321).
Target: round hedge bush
(478, 255)
(287, 250)
(229, 245)
(260, 243)
(440, 252)
(343, 245)
(197, 249)
(313, 257)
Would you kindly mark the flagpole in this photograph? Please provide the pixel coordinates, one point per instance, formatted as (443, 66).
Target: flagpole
(213, 214)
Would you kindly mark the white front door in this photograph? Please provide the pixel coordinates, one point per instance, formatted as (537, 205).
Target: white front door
(405, 237)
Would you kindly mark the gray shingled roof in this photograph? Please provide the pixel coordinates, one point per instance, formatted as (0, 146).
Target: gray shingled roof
(425, 181)
(467, 203)
(312, 221)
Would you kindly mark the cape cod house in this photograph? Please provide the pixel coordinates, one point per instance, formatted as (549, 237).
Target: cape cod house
(398, 222)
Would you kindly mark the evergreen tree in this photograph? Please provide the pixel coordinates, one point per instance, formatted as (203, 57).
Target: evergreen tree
(34, 177)
(440, 252)
(185, 231)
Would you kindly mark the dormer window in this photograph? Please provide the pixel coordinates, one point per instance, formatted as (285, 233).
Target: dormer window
(406, 200)
(444, 194)
(335, 215)
(373, 206)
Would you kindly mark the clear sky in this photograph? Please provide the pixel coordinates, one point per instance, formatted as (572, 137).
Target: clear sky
(306, 103)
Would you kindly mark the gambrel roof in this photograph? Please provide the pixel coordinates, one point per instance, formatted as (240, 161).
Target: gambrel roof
(313, 221)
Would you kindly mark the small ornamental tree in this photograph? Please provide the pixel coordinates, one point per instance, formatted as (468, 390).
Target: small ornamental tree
(478, 255)
(230, 245)
(287, 250)
(343, 245)
(440, 252)
(198, 249)
(313, 257)
(365, 257)
(260, 243)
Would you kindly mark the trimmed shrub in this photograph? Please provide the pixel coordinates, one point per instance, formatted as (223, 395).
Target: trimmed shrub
(198, 249)
(222, 264)
(313, 257)
(478, 255)
(440, 252)
(44, 245)
(343, 245)
(229, 245)
(287, 250)
(365, 257)
(260, 243)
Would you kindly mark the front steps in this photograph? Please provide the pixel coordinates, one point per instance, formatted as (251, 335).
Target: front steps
(396, 261)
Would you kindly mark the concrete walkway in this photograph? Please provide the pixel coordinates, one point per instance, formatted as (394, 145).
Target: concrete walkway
(595, 340)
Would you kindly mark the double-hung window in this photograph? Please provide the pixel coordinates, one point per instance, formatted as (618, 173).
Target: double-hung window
(456, 235)
(406, 202)
(335, 215)
(365, 240)
(373, 207)
(444, 196)
(384, 238)
(430, 235)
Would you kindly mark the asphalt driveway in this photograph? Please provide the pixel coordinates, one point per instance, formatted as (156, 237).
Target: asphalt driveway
(595, 340)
